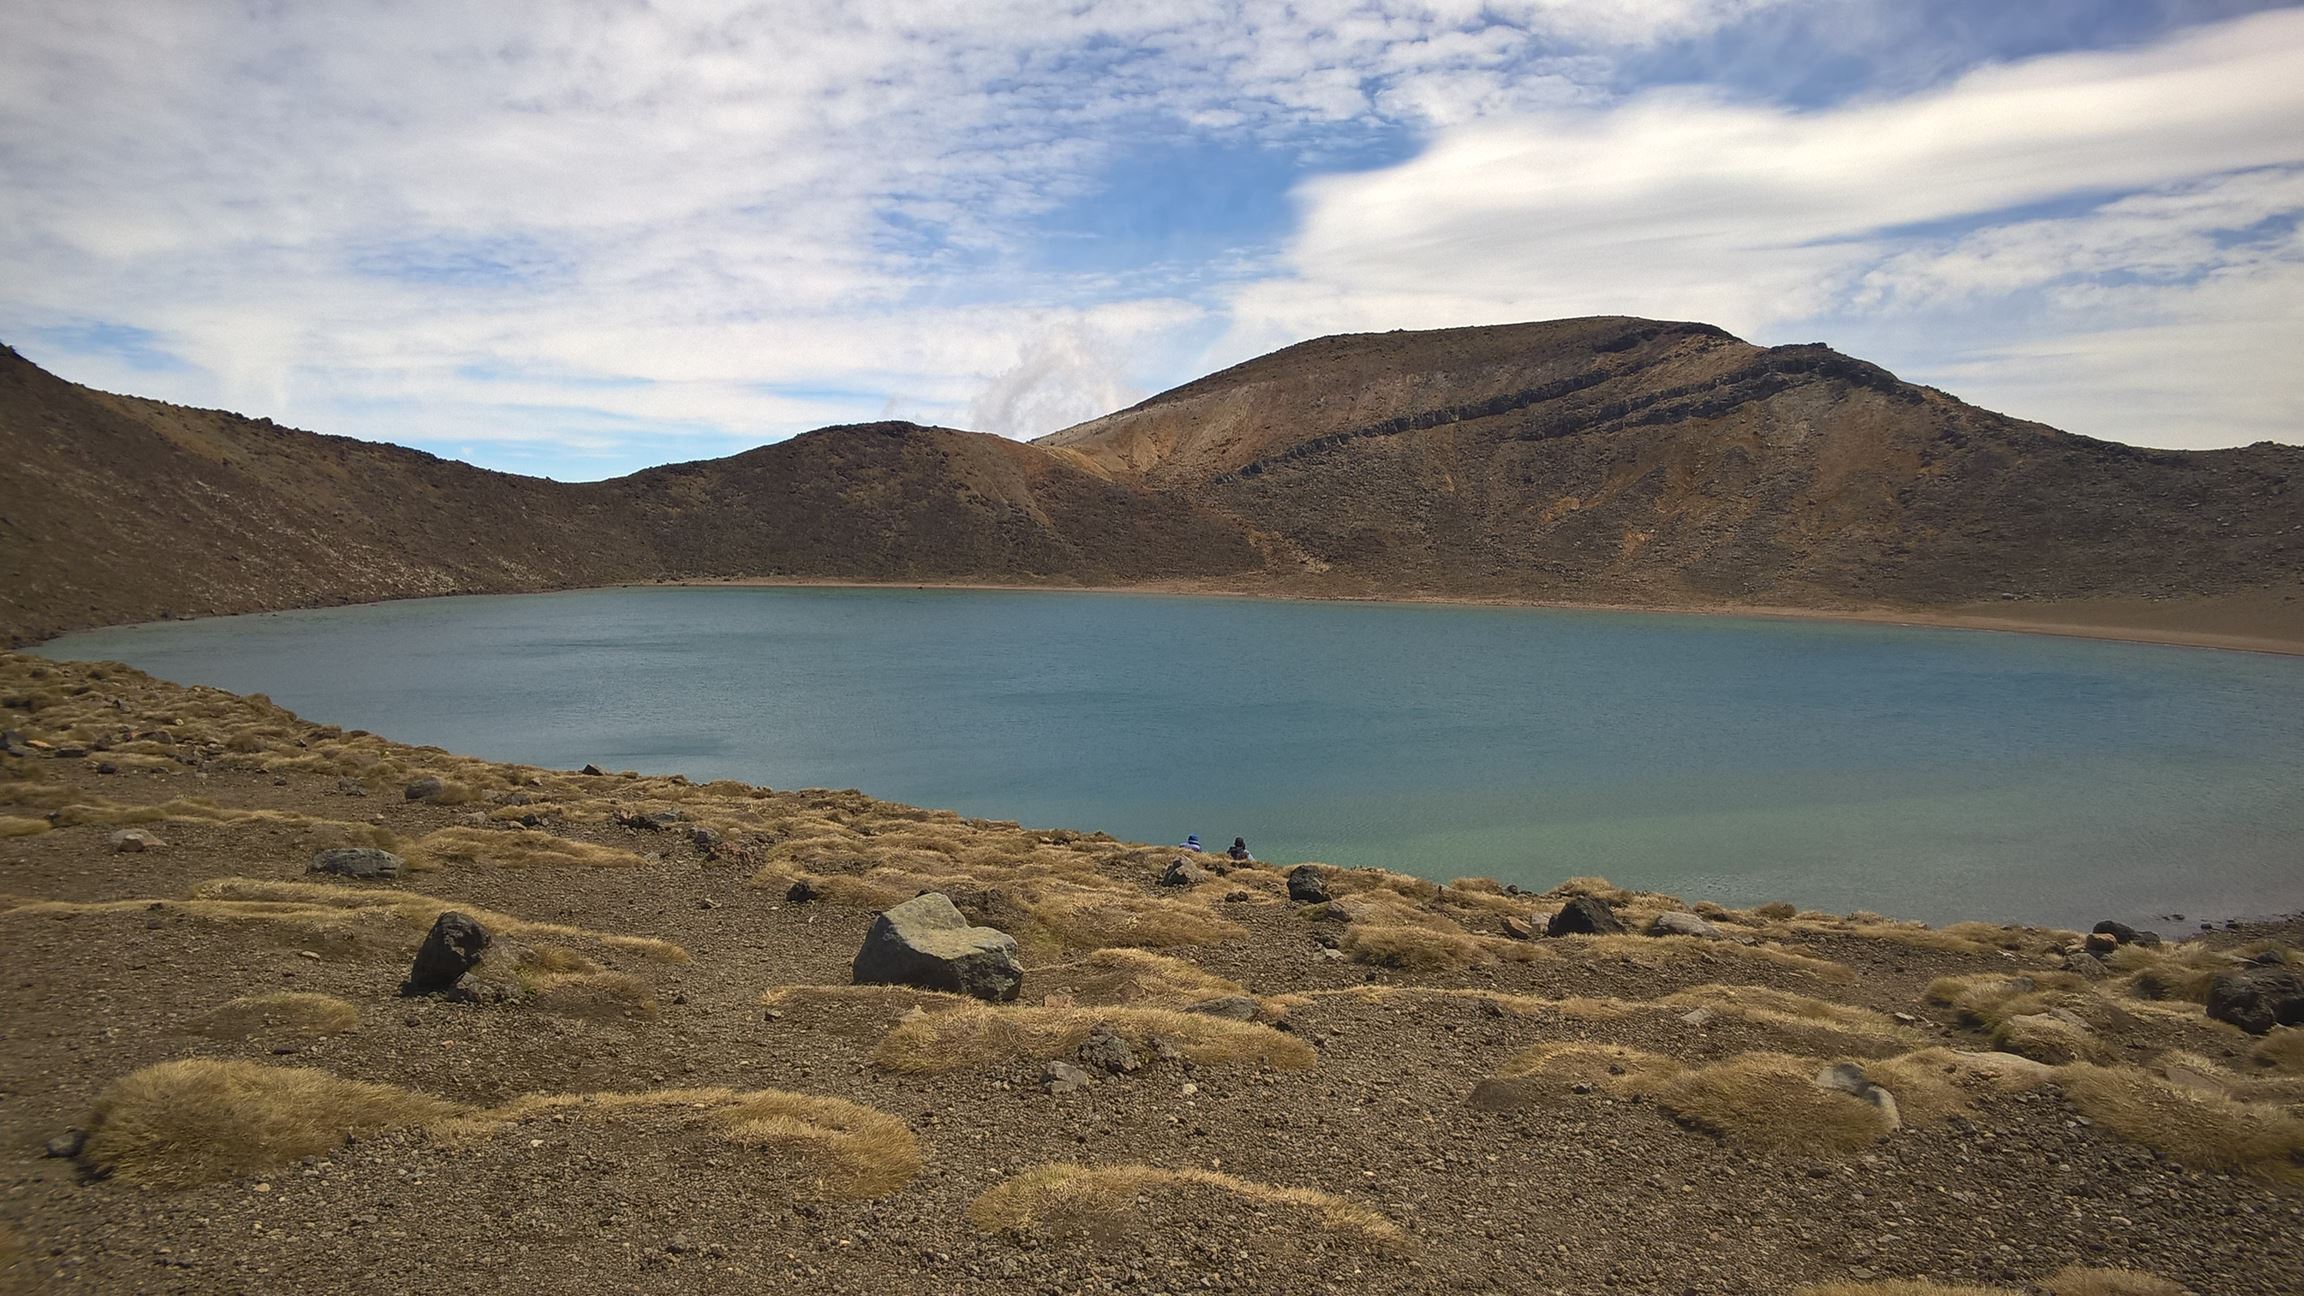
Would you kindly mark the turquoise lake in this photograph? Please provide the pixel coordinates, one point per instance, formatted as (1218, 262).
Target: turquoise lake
(1932, 774)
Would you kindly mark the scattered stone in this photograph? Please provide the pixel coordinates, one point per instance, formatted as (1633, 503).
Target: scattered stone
(2099, 944)
(424, 789)
(1063, 1077)
(1306, 886)
(452, 948)
(107, 767)
(1584, 916)
(2086, 966)
(803, 892)
(1236, 1007)
(925, 942)
(1107, 1052)
(704, 839)
(707, 902)
(364, 862)
(12, 744)
(2258, 999)
(1677, 923)
(132, 841)
(1183, 872)
(2125, 934)
(1699, 1018)
(351, 787)
(592, 771)
(65, 1145)
(1517, 928)
(1848, 1078)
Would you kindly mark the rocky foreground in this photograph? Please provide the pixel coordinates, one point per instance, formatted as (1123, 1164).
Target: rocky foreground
(294, 1009)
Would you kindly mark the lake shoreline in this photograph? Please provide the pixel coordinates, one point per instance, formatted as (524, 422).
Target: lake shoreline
(2276, 637)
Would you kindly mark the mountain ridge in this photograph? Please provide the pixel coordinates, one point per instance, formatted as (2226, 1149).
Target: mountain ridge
(1607, 460)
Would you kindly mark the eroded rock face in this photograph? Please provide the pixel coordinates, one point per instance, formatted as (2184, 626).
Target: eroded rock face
(2258, 999)
(452, 948)
(1585, 916)
(1183, 872)
(1848, 1078)
(926, 942)
(364, 862)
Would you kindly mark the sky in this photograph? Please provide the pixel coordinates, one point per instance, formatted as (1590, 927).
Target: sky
(579, 238)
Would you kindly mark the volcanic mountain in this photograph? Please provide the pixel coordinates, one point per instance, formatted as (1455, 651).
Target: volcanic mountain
(1604, 461)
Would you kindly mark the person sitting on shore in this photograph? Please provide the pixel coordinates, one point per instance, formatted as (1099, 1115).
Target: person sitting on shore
(1192, 841)
(1239, 850)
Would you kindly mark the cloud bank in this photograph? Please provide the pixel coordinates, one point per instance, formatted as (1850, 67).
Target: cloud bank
(581, 238)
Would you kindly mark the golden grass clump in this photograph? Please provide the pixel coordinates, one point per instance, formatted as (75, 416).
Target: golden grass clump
(1901, 1287)
(524, 848)
(1769, 1100)
(1069, 1195)
(1412, 948)
(2198, 1126)
(1683, 952)
(2076, 1281)
(1820, 1021)
(1611, 1066)
(2052, 1037)
(116, 814)
(1986, 999)
(18, 826)
(981, 1034)
(2178, 972)
(857, 1151)
(201, 1120)
(1134, 976)
(282, 1013)
(1093, 919)
(2282, 1050)
(1934, 1084)
(314, 901)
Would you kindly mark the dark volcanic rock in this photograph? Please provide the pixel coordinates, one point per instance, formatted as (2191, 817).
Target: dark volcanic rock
(423, 789)
(2258, 999)
(1584, 916)
(2124, 934)
(926, 942)
(452, 948)
(1306, 886)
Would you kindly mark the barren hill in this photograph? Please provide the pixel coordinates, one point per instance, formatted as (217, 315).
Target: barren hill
(1615, 459)
(1606, 460)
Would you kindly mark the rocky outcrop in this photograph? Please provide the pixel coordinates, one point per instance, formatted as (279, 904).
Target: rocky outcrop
(2258, 999)
(1585, 916)
(365, 863)
(1307, 886)
(926, 942)
(453, 947)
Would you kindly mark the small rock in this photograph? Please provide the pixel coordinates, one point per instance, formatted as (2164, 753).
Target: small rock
(1848, 1078)
(2086, 966)
(65, 1145)
(1306, 886)
(1584, 916)
(1105, 1051)
(1063, 1077)
(1183, 872)
(707, 902)
(131, 841)
(592, 771)
(107, 767)
(2099, 944)
(803, 892)
(1236, 1007)
(422, 789)
(1517, 928)
(1683, 924)
(363, 862)
(351, 787)
(2125, 934)
(704, 839)
(1699, 1018)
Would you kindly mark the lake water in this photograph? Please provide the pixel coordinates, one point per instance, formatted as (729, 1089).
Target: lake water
(1922, 773)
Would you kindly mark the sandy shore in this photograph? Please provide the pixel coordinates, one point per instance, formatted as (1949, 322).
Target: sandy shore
(2267, 621)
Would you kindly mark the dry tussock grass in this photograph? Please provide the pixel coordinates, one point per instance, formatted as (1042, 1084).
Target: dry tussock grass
(283, 1013)
(902, 998)
(1986, 999)
(1134, 976)
(2197, 1126)
(98, 812)
(1902, 1287)
(1091, 919)
(1614, 1066)
(18, 826)
(523, 848)
(855, 1151)
(2282, 1050)
(2076, 1281)
(1413, 948)
(590, 994)
(1067, 1195)
(978, 1035)
(420, 910)
(1768, 1100)
(1819, 1022)
(1934, 1084)
(2177, 972)
(201, 1120)
(1525, 1005)
(1684, 951)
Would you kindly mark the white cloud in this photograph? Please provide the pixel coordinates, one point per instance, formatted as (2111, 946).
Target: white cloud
(1680, 204)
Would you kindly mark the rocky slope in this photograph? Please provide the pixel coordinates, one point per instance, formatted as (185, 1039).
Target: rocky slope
(1615, 459)
(1596, 461)
(1219, 1077)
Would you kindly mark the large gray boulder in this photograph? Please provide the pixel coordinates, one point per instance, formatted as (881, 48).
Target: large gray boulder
(1676, 923)
(926, 942)
(1585, 916)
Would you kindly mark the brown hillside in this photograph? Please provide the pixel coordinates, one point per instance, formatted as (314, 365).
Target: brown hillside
(1617, 459)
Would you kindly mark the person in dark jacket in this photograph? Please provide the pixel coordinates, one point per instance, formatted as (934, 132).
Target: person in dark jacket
(1239, 849)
